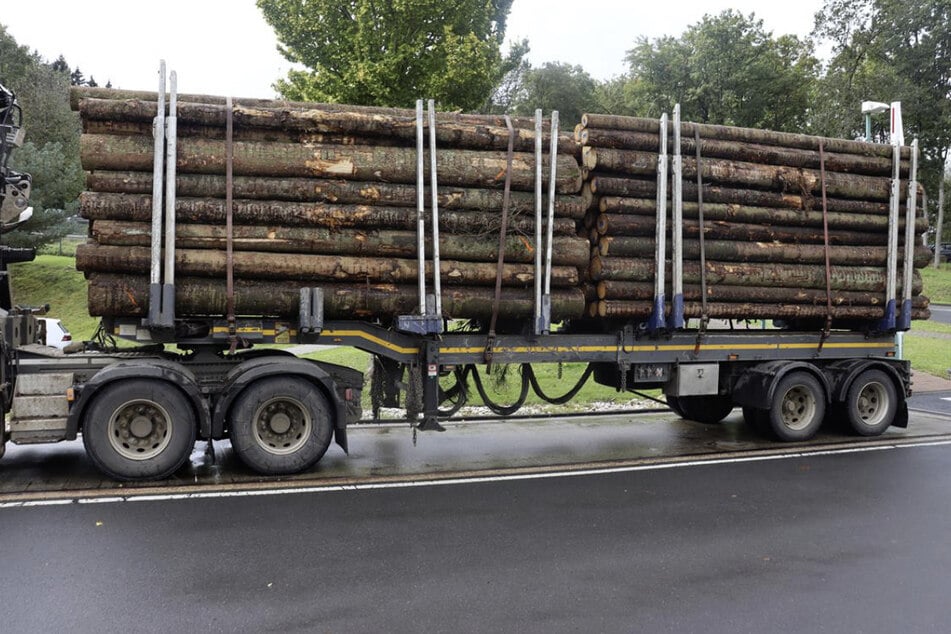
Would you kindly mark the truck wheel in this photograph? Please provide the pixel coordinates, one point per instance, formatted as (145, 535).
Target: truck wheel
(798, 407)
(281, 425)
(139, 430)
(709, 410)
(673, 402)
(871, 403)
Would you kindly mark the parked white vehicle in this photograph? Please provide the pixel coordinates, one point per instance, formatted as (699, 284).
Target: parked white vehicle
(56, 333)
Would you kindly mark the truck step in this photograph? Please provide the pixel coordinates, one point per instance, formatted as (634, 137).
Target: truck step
(30, 407)
(43, 384)
(37, 430)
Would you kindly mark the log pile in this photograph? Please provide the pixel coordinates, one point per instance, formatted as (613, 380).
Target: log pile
(323, 195)
(763, 222)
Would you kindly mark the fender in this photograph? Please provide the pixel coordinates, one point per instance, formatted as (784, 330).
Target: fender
(153, 368)
(847, 371)
(279, 365)
(756, 386)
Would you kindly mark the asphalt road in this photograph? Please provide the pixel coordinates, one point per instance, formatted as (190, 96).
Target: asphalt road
(941, 313)
(821, 543)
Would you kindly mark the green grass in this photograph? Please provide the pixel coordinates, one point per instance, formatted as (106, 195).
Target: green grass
(54, 280)
(937, 283)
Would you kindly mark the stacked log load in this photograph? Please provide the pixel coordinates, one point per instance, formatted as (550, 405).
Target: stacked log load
(763, 222)
(323, 196)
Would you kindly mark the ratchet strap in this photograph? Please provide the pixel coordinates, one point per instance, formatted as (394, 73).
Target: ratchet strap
(503, 230)
(825, 236)
(229, 224)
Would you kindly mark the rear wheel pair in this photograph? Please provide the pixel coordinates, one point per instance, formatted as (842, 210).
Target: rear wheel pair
(798, 406)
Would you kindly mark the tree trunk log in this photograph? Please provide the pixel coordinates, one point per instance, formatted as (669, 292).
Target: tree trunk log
(617, 225)
(843, 278)
(871, 221)
(744, 135)
(467, 168)
(138, 208)
(278, 266)
(644, 291)
(115, 295)
(613, 309)
(775, 252)
(567, 251)
(330, 191)
(600, 145)
(363, 124)
(775, 178)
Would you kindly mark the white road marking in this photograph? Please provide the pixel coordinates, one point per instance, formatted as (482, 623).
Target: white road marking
(456, 481)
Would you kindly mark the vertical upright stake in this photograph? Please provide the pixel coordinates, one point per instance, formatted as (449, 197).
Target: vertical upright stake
(158, 175)
(677, 283)
(171, 157)
(420, 207)
(657, 320)
(437, 273)
(891, 281)
(549, 230)
(539, 246)
(904, 320)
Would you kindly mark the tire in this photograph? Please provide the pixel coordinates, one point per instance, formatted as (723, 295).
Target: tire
(708, 410)
(139, 429)
(871, 403)
(281, 426)
(798, 407)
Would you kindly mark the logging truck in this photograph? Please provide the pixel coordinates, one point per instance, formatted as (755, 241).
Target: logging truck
(193, 375)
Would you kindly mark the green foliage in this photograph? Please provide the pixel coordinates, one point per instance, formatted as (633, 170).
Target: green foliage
(937, 283)
(725, 69)
(51, 153)
(392, 53)
(557, 86)
(890, 50)
(54, 280)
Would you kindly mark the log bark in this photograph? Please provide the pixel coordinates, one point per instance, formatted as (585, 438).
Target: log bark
(744, 135)
(329, 191)
(91, 257)
(138, 208)
(467, 168)
(604, 148)
(642, 188)
(78, 93)
(630, 225)
(775, 252)
(774, 178)
(567, 251)
(644, 291)
(843, 278)
(871, 221)
(611, 309)
(352, 122)
(115, 295)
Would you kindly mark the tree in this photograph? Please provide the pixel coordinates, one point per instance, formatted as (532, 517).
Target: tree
(392, 53)
(51, 151)
(891, 50)
(557, 86)
(725, 69)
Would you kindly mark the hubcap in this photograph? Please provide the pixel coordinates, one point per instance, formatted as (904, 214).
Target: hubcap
(281, 425)
(872, 403)
(140, 430)
(798, 408)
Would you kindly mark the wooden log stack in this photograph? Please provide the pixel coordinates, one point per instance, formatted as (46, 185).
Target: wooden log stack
(766, 200)
(323, 195)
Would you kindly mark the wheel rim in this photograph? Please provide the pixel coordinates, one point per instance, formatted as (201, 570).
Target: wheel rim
(140, 429)
(872, 403)
(281, 425)
(798, 408)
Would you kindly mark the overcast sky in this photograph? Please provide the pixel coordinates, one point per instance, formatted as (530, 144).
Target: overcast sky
(226, 47)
